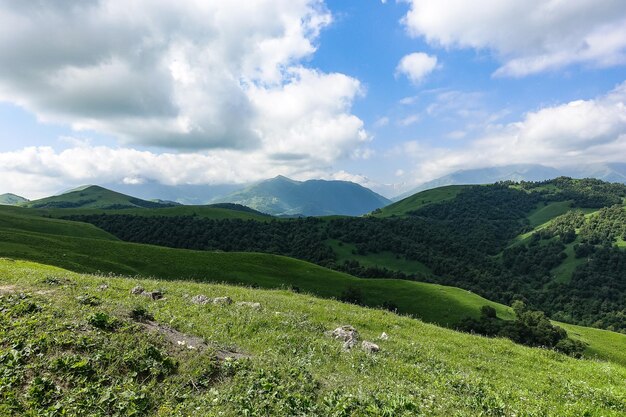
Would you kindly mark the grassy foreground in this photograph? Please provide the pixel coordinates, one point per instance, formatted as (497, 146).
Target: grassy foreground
(69, 347)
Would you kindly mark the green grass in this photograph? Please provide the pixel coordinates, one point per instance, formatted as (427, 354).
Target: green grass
(387, 260)
(563, 272)
(27, 220)
(207, 212)
(546, 212)
(421, 199)
(56, 362)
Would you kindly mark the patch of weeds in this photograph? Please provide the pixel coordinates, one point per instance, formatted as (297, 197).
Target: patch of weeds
(89, 300)
(275, 392)
(103, 321)
(139, 313)
(18, 305)
(55, 280)
(149, 362)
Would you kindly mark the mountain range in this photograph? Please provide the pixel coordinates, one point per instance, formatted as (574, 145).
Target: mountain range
(282, 196)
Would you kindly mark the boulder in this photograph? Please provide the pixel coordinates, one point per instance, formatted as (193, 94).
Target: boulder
(255, 306)
(137, 290)
(200, 299)
(347, 334)
(222, 300)
(369, 347)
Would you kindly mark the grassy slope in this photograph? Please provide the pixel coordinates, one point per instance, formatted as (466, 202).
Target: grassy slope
(432, 303)
(421, 199)
(294, 369)
(207, 212)
(88, 197)
(386, 259)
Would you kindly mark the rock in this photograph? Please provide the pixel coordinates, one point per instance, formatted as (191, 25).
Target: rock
(347, 334)
(200, 299)
(222, 300)
(137, 290)
(255, 306)
(156, 295)
(103, 287)
(384, 336)
(369, 347)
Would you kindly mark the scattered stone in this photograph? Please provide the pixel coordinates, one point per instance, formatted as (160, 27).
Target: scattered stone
(222, 300)
(155, 295)
(255, 306)
(369, 347)
(200, 299)
(384, 336)
(137, 290)
(347, 334)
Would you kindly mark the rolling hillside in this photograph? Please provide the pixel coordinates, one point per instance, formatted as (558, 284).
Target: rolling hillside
(282, 196)
(419, 200)
(136, 356)
(93, 197)
(52, 242)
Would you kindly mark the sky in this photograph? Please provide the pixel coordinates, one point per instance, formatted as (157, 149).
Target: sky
(389, 94)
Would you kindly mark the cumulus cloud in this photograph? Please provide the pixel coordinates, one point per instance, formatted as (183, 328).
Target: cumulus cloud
(527, 36)
(579, 132)
(416, 66)
(185, 75)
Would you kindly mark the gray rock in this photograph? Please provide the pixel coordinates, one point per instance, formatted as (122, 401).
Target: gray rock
(201, 299)
(384, 336)
(370, 347)
(222, 300)
(137, 290)
(346, 334)
(255, 306)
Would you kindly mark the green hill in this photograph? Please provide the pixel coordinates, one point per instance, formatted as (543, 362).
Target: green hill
(94, 197)
(11, 200)
(285, 197)
(211, 211)
(84, 345)
(83, 248)
(419, 200)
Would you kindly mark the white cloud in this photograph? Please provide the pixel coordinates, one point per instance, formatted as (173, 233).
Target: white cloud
(416, 66)
(199, 74)
(381, 122)
(527, 36)
(409, 120)
(579, 132)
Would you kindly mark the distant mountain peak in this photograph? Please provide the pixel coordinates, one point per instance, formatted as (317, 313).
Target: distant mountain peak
(283, 196)
(10, 199)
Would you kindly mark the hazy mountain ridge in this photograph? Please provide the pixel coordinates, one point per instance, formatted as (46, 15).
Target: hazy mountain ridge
(9, 199)
(285, 197)
(614, 172)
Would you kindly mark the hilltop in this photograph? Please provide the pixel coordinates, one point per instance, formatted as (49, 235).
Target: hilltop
(114, 352)
(282, 196)
(12, 200)
(92, 197)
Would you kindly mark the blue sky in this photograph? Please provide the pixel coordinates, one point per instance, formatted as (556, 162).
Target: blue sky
(388, 94)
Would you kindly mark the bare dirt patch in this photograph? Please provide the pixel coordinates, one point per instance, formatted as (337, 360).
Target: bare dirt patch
(7, 289)
(183, 340)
